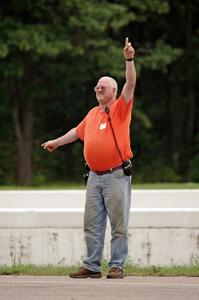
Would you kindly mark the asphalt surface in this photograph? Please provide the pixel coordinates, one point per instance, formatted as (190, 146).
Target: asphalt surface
(129, 288)
(76, 199)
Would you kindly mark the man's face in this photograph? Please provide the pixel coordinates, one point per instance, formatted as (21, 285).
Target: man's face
(105, 91)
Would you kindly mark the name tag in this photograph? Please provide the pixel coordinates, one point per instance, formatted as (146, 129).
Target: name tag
(102, 126)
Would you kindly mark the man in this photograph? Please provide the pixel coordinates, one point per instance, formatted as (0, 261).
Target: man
(105, 132)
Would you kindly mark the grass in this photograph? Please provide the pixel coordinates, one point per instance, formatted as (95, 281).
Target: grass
(171, 185)
(130, 270)
(174, 270)
(73, 185)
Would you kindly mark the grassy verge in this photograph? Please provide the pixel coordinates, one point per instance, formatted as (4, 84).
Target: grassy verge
(130, 270)
(59, 186)
(185, 185)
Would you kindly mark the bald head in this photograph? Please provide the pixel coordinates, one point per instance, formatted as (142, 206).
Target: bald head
(106, 91)
(110, 82)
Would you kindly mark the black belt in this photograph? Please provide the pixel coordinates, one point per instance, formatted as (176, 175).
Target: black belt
(111, 170)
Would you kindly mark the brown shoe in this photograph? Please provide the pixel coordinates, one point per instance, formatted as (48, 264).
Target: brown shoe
(115, 273)
(85, 273)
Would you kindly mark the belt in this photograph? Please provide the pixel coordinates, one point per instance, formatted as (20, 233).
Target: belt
(111, 170)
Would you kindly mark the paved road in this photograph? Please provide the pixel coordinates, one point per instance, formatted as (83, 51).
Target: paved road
(76, 199)
(129, 288)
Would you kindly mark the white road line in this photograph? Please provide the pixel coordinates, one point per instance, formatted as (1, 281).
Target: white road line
(81, 210)
(80, 191)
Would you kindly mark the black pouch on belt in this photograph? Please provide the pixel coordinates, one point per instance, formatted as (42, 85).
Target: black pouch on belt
(127, 167)
(86, 171)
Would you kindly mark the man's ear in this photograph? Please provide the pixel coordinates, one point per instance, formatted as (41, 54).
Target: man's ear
(115, 91)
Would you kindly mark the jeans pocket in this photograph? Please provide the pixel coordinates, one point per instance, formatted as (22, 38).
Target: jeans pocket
(118, 174)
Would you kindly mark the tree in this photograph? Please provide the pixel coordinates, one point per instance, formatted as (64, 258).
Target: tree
(53, 52)
(35, 34)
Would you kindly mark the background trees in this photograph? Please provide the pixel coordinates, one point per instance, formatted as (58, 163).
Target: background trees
(53, 52)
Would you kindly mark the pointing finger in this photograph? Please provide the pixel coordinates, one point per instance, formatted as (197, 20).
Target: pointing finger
(126, 41)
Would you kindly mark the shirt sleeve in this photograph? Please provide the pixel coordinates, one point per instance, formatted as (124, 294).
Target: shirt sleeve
(124, 108)
(80, 129)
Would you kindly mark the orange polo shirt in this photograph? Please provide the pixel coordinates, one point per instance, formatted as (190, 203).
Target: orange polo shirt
(100, 151)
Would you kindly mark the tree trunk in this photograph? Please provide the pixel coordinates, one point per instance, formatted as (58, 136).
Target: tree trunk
(190, 85)
(23, 112)
(23, 123)
(176, 118)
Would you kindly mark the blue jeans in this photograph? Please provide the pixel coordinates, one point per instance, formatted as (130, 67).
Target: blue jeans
(108, 194)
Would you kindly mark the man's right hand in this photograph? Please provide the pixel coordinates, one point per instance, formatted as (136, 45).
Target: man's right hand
(50, 145)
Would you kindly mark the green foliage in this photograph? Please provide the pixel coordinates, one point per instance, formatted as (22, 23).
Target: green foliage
(7, 139)
(193, 173)
(53, 52)
(161, 56)
(156, 171)
(3, 50)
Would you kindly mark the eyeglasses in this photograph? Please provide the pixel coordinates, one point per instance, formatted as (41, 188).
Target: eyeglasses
(100, 87)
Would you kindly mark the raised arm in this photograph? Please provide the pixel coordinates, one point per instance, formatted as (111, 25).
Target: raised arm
(129, 86)
(67, 138)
